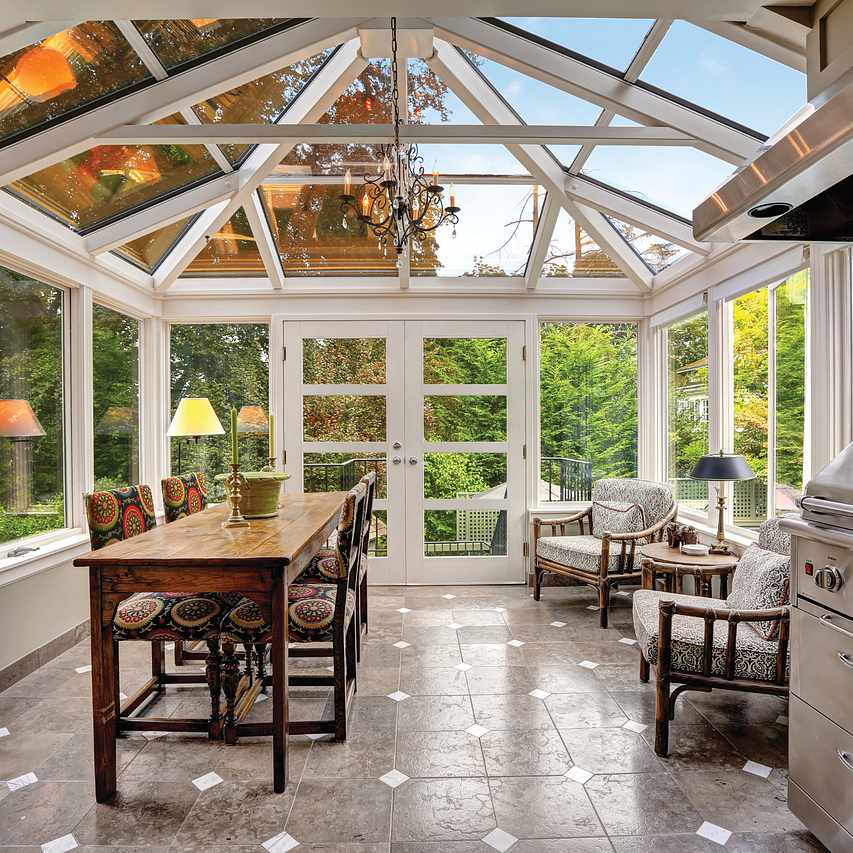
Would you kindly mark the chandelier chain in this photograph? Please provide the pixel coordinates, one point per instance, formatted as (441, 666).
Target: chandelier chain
(395, 94)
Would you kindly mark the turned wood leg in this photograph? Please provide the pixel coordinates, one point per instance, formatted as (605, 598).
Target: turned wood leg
(214, 684)
(644, 669)
(248, 671)
(230, 680)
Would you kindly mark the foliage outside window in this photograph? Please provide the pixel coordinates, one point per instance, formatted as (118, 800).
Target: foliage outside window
(229, 364)
(115, 387)
(687, 384)
(769, 347)
(588, 406)
(31, 426)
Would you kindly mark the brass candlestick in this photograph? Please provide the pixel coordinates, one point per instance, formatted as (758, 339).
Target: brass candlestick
(270, 466)
(235, 517)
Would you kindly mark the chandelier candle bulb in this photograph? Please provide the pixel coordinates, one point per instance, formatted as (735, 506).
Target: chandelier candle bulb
(452, 196)
(348, 183)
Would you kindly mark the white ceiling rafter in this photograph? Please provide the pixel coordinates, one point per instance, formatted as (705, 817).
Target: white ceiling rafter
(599, 87)
(14, 38)
(480, 97)
(161, 99)
(260, 225)
(774, 36)
(318, 95)
(541, 242)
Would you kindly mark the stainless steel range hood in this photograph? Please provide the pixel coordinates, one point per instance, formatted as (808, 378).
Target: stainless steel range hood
(800, 189)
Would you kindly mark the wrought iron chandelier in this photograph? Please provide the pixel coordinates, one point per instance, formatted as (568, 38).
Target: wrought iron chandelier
(399, 202)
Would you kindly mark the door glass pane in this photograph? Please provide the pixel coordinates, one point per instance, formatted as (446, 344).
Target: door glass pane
(464, 361)
(468, 418)
(343, 361)
(337, 472)
(115, 388)
(378, 543)
(464, 533)
(465, 475)
(342, 417)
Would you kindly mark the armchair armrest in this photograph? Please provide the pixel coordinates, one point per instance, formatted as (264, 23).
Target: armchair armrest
(553, 523)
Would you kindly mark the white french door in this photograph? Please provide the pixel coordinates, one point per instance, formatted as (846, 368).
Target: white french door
(436, 408)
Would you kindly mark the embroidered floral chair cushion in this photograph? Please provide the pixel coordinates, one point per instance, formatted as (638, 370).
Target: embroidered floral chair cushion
(755, 658)
(118, 514)
(761, 580)
(311, 610)
(168, 616)
(184, 495)
(617, 517)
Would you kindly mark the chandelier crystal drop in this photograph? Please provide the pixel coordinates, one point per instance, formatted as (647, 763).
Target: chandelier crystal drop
(398, 203)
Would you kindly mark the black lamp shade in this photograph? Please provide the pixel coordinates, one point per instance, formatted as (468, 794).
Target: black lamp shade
(722, 466)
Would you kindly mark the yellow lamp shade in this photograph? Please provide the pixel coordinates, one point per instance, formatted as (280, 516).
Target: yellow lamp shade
(43, 73)
(195, 416)
(18, 420)
(252, 419)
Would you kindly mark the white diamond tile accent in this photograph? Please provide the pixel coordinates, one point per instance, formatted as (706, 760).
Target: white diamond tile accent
(87, 668)
(404, 610)
(4, 732)
(455, 625)
(463, 666)
(207, 781)
(592, 607)
(578, 774)
(448, 596)
(280, 843)
(394, 778)
(499, 609)
(60, 845)
(626, 594)
(398, 696)
(757, 769)
(122, 696)
(714, 833)
(782, 720)
(22, 781)
(152, 735)
(262, 697)
(515, 643)
(500, 840)
(634, 726)
(317, 735)
(588, 664)
(628, 641)
(559, 624)
(477, 730)
(539, 694)
(402, 644)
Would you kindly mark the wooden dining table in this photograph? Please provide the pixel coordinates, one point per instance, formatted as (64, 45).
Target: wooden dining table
(196, 554)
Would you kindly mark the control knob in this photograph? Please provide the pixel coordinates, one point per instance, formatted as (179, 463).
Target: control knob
(828, 578)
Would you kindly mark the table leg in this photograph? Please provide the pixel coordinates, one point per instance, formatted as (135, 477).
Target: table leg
(103, 688)
(278, 664)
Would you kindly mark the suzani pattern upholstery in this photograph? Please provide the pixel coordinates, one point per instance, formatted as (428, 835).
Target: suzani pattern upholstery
(761, 581)
(184, 495)
(168, 616)
(580, 552)
(118, 514)
(755, 658)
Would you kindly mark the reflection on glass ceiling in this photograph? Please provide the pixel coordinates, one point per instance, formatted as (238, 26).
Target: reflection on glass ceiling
(233, 250)
(657, 252)
(147, 251)
(430, 101)
(58, 76)
(572, 253)
(493, 237)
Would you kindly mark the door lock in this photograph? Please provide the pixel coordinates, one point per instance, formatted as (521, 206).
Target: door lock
(413, 460)
(397, 460)
(397, 445)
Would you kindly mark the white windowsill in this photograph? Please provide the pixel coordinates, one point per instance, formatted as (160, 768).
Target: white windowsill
(53, 551)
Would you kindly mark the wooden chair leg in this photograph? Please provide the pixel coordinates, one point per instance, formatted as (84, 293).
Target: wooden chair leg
(662, 715)
(248, 670)
(340, 688)
(644, 669)
(603, 604)
(158, 655)
(363, 597)
(230, 680)
(537, 582)
(261, 664)
(214, 684)
(179, 653)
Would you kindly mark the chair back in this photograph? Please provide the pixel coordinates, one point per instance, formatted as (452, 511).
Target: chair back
(119, 514)
(369, 480)
(184, 495)
(656, 499)
(348, 540)
(771, 538)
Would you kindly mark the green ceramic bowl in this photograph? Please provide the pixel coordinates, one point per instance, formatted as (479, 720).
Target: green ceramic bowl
(260, 491)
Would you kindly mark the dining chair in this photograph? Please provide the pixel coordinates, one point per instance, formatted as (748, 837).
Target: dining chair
(156, 617)
(322, 614)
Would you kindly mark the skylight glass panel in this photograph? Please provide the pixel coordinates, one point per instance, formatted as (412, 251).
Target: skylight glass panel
(430, 101)
(612, 41)
(233, 250)
(572, 253)
(313, 236)
(181, 41)
(95, 186)
(59, 76)
(726, 78)
(493, 237)
(674, 178)
(261, 101)
(367, 100)
(147, 251)
(657, 252)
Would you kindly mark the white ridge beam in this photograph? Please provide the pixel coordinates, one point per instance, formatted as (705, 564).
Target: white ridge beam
(787, 53)
(260, 226)
(541, 242)
(586, 81)
(317, 96)
(15, 38)
(161, 99)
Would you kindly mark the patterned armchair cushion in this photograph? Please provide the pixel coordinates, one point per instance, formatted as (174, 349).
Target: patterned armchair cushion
(762, 580)
(771, 538)
(184, 495)
(578, 552)
(310, 611)
(755, 658)
(617, 517)
(118, 514)
(168, 616)
(656, 499)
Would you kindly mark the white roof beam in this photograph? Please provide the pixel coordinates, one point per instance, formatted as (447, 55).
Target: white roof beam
(761, 41)
(317, 96)
(541, 242)
(478, 95)
(161, 99)
(264, 239)
(14, 38)
(471, 180)
(600, 87)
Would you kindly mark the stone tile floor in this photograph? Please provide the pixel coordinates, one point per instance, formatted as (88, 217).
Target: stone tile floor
(523, 727)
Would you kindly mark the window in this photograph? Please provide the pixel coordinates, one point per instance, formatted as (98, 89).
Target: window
(588, 406)
(687, 418)
(32, 466)
(229, 364)
(769, 358)
(115, 387)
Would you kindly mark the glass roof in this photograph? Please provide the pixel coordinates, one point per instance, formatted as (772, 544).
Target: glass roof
(54, 78)
(573, 253)
(147, 251)
(430, 101)
(657, 252)
(367, 100)
(232, 251)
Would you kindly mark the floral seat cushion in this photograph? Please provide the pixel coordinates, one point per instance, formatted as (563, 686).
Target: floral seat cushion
(579, 552)
(184, 495)
(168, 616)
(755, 658)
(310, 611)
(323, 568)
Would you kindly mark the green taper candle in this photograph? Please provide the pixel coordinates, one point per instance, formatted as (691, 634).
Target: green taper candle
(234, 456)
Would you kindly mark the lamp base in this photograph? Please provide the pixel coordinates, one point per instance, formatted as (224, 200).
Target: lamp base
(719, 549)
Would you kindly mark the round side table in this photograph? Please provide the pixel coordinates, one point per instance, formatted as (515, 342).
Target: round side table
(659, 560)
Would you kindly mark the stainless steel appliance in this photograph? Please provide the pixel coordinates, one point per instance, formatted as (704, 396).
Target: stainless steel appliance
(820, 783)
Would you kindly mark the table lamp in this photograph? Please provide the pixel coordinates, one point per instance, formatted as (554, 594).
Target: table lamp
(724, 468)
(252, 419)
(194, 417)
(18, 420)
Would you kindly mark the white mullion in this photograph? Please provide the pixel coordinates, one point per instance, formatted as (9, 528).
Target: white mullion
(79, 435)
(215, 151)
(31, 32)
(466, 446)
(771, 403)
(143, 50)
(265, 240)
(541, 242)
(341, 389)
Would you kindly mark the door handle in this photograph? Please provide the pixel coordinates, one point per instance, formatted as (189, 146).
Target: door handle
(826, 619)
(413, 460)
(397, 460)
(847, 660)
